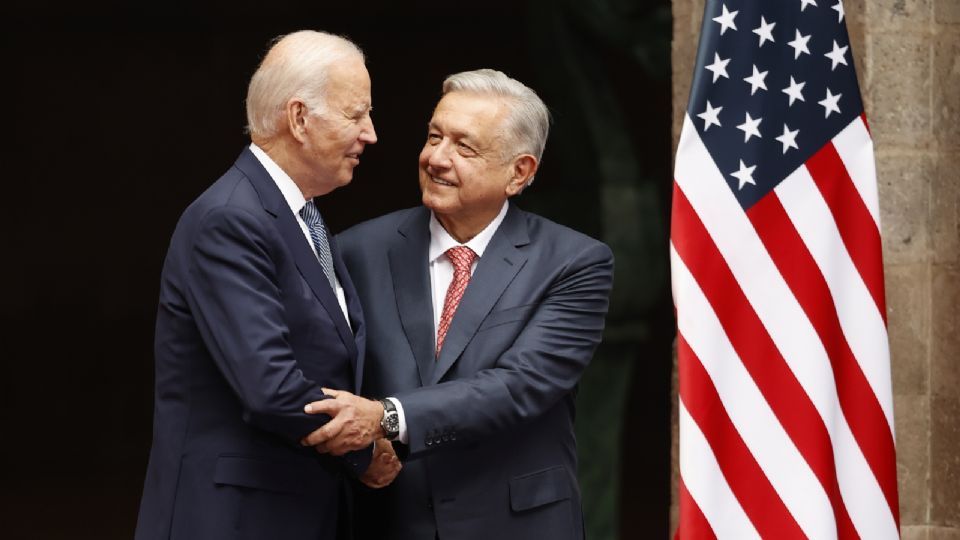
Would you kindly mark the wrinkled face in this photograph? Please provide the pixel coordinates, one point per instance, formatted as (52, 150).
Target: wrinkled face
(463, 174)
(337, 135)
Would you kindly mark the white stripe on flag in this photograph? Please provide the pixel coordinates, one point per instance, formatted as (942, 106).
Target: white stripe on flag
(861, 493)
(705, 482)
(862, 324)
(855, 147)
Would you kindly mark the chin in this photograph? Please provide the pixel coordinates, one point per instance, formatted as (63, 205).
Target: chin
(426, 199)
(345, 178)
(432, 202)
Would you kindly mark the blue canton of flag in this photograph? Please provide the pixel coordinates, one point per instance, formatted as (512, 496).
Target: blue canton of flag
(770, 88)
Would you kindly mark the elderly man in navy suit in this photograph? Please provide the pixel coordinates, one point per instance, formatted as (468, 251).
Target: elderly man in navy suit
(481, 318)
(257, 313)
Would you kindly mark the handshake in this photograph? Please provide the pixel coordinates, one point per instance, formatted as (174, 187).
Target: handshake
(354, 424)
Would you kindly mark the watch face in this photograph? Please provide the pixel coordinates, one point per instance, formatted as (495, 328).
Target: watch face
(391, 423)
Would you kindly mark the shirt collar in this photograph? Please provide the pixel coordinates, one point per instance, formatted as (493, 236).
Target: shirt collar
(441, 241)
(291, 193)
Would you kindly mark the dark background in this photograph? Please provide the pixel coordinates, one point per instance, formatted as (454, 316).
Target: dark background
(117, 116)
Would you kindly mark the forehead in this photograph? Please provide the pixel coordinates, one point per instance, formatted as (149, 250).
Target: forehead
(348, 83)
(472, 115)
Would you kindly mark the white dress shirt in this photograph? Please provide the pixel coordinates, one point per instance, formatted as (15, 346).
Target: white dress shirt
(296, 201)
(441, 275)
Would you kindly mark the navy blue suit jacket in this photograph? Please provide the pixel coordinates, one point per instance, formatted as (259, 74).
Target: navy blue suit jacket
(248, 330)
(491, 447)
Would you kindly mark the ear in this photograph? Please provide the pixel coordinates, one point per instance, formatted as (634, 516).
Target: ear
(297, 118)
(522, 170)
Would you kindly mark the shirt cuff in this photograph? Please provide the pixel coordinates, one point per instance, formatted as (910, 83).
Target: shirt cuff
(402, 437)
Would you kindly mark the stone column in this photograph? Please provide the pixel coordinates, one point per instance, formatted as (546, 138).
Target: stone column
(911, 82)
(907, 53)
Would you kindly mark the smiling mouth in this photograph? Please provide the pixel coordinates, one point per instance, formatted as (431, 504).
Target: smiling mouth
(436, 180)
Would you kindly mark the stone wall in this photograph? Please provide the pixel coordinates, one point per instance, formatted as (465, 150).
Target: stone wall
(907, 53)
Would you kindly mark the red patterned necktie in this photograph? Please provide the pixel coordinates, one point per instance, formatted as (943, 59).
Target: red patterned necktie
(461, 257)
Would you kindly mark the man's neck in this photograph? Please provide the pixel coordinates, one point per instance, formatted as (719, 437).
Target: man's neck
(465, 229)
(278, 150)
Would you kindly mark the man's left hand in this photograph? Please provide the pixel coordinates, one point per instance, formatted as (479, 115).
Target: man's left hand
(354, 423)
(384, 467)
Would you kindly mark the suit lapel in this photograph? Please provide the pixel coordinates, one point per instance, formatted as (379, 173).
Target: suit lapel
(496, 269)
(353, 310)
(411, 284)
(292, 235)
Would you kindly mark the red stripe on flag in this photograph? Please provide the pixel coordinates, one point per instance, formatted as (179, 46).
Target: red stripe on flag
(753, 344)
(757, 496)
(693, 524)
(860, 405)
(857, 228)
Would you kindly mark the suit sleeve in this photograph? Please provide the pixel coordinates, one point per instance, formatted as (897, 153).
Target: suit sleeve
(234, 295)
(542, 366)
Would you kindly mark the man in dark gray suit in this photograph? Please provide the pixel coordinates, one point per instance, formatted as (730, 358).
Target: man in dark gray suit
(481, 319)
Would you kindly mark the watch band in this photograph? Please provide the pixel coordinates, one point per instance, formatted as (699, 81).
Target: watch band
(390, 422)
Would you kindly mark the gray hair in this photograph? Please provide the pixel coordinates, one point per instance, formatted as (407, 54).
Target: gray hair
(296, 66)
(528, 123)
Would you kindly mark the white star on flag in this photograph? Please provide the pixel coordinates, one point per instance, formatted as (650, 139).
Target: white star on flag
(765, 31)
(839, 9)
(799, 45)
(756, 80)
(751, 128)
(718, 67)
(830, 104)
(837, 55)
(726, 19)
(744, 175)
(805, 3)
(710, 116)
(794, 90)
(788, 139)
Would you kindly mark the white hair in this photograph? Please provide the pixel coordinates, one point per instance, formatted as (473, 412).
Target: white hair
(296, 66)
(528, 122)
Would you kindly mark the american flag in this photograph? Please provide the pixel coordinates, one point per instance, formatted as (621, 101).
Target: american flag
(786, 412)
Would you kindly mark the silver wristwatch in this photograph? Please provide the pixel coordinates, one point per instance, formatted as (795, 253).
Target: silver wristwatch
(390, 421)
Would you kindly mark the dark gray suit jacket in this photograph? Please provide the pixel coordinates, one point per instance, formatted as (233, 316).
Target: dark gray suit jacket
(491, 449)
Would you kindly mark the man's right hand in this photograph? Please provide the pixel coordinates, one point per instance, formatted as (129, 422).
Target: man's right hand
(354, 424)
(384, 467)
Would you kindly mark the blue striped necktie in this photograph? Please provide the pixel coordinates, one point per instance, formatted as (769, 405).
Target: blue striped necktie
(318, 233)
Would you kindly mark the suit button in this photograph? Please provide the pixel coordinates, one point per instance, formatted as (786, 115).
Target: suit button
(430, 503)
(445, 437)
(428, 441)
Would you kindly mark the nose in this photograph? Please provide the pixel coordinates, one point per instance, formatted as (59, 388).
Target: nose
(439, 155)
(368, 135)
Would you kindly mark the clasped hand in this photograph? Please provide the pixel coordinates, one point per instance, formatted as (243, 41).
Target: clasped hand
(384, 467)
(354, 424)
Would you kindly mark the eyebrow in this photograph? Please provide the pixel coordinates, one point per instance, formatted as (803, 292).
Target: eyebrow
(455, 133)
(360, 108)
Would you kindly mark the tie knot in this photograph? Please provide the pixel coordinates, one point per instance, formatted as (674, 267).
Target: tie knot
(310, 214)
(461, 257)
